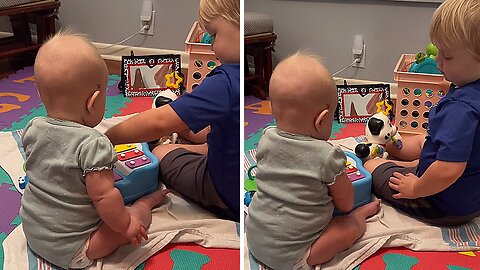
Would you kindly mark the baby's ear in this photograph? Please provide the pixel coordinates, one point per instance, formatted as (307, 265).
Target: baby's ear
(319, 119)
(91, 101)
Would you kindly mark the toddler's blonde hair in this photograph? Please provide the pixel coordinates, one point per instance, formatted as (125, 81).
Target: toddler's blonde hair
(457, 22)
(211, 9)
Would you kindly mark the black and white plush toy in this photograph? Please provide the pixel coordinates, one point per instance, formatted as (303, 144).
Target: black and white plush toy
(161, 99)
(379, 131)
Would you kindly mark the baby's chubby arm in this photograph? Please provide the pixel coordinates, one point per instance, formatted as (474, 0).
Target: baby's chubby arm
(342, 193)
(439, 176)
(109, 203)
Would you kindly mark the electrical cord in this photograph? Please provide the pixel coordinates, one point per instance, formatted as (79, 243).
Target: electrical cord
(144, 27)
(357, 60)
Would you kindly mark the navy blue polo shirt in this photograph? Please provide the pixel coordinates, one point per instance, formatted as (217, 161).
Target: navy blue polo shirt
(216, 103)
(454, 136)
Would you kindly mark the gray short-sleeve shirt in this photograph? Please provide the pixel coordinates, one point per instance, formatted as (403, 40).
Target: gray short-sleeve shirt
(57, 214)
(292, 205)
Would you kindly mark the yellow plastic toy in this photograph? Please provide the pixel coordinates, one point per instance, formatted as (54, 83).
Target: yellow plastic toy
(384, 104)
(175, 77)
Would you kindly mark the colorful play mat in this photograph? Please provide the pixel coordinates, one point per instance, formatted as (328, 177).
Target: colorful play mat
(20, 102)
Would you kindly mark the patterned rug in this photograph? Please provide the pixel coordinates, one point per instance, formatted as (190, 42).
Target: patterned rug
(20, 102)
(258, 115)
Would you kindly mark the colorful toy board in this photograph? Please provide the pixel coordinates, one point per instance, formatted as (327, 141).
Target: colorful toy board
(358, 102)
(136, 171)
(148, 75)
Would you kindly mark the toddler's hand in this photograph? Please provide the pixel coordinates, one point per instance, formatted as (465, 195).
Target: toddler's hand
(404, 184)
(135, 231)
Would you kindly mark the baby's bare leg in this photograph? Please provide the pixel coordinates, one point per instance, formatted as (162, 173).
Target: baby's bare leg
(341, 233)
(104, 240)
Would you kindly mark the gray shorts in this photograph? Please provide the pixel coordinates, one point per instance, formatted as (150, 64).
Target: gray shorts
(186, 172)
(420, 208)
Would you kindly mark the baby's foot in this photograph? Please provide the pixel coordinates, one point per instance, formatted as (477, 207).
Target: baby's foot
(154, 199)
(368, 210)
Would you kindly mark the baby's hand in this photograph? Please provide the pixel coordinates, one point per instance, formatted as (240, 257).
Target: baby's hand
(135, 231)
(404, 184)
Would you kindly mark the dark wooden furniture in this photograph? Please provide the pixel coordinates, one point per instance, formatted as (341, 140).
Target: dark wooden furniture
(42, 14)
(260, 47)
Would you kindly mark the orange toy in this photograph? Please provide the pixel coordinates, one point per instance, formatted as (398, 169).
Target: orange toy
(417, 93)
(201, 57)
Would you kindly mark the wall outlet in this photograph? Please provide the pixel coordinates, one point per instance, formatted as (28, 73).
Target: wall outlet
(361, 64)
(149, 31)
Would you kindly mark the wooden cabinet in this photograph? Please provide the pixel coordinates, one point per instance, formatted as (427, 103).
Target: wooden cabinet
(260, 47)
(42, 14)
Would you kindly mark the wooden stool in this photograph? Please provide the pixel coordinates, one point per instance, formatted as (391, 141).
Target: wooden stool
(42, 14)
(260, 47)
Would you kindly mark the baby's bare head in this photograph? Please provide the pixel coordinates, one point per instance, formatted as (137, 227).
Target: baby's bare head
(300, 88)
(67, 70)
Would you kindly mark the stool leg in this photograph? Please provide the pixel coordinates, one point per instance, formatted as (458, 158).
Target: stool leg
(20, 28)
(259, 66)
(260, 87)
(268, 69)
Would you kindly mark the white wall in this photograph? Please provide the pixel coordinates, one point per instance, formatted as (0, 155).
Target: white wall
(328, 27)
(110, 21)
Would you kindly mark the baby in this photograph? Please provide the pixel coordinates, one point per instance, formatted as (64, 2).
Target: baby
(301, 177)
(71, 211)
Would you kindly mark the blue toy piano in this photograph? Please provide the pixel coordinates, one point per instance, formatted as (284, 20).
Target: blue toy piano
(361, 179)
(136, 171)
